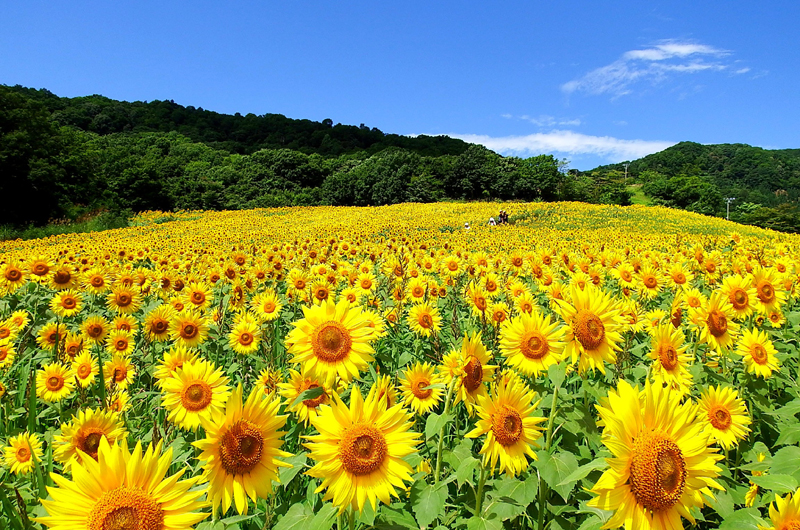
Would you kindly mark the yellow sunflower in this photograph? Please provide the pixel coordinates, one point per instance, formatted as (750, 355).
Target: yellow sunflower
(7, 353)
(124, 299)
(421, 387)
(119, 371)
(119, 343)
(13, 275)
(670, 360)
(769, 292)
(662, 465)
(54, 382)
(531, 342)
(198, 390)
(244, 338)
(157, 323)
(199, 295)
(124, 490)
(241, 450)
(267, 306)
(475, 370)
(81, 436)
(714, 320)
(173, 359)
(21, 453)
(332, 339)
(297, 384)
(594, 325)
(50, 335)
(95, 328)
(189, 329)
(508, 420)
(741, 294)
(74, 345)
(784, 513)
(425, 319)
(66, 303)
(758, 353)
(360, 451)
(723, 415)
(86, 368)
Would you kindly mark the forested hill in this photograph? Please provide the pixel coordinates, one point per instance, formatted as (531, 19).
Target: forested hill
(233, 133)
(765, 183)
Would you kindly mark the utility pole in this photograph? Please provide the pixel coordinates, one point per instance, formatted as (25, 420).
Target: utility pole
(626, 170)
(728, 201)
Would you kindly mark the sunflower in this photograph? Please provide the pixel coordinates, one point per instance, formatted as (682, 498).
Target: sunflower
(298, 383)
(95, 328)
(21, 453)
(375, 323)
(384, 390)
(531, 342)
(769, 293)
(124, 299)
(694, 299)
(714, 321)
(119, 401)
(54, 382)
(332, 339)
(267, 306)
(118, 371)
(81, 436)
(241, 450)
(625, 275)
(594, 325)
(39, 269)
(511, 428)
(7, 353)
(195, 391)
(66, 303)
(421, 388)
(679, 276)
(157, 323)
(758, 353)
(784, 513)
(741, 294)
(189, 329)
(723, 415)
(96, 280)
(424, 319)
(360, 451)
(499, 313)
(119, 343)
(478, 299)
(13, 276)
(268, 380)
(124, 491)
(650, 280)
(173, 359)
(244, 338)
(85, 368)
(526, 303)
(199, 295)
(662, 464)
(451, 266)
(670, 361)
(474, 370)
(51, 335)
(74, 345)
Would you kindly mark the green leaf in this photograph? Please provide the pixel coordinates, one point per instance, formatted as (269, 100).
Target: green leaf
(286, 474)
(428, 501)
(744, 519)
(390, 518)
(786, 460)
(311, 393)
(581, 472)
(510, 496)
(790, 434)
(301, 517)
(788, 411)
(466, 470)
(722, 504)
(434, 424)
(555, 468)
(233, 519)
(776, 483)
(557, 373)
(492, 522)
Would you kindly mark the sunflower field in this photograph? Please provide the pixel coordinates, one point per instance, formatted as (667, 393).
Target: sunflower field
(581, 367)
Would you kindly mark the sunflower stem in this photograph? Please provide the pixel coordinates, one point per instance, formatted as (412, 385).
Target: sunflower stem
(543, 489)
(479, 495)
(447, 400)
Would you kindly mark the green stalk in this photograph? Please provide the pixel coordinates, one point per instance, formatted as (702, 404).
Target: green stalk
(102, 377)
(479, 495)
(543, 489)
(447, 400)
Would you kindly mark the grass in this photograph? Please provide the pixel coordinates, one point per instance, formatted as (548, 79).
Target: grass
(638, 195)
(102, 221)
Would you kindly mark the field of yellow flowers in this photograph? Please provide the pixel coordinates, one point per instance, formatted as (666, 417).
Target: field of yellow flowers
(581, 367)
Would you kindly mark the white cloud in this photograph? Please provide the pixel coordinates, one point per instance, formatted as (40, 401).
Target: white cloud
(546, 121)
(568, 142)
(742, 71)
(655, 64)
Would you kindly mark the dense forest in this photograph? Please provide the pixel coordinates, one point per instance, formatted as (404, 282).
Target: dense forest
(765, 184)
(69, 157)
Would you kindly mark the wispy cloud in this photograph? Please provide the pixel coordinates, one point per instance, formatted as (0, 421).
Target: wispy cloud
(545, 121)
(655, 63)
(568, 142)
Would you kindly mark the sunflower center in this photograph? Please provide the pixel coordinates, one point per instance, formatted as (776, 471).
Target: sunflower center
(241, 447)
(23, 454)
(331, 342)
(657, 471)
(40, 269)
(759, 354)
(13, 275)
(269, 307)
(196, 396)
(124, 300)
(626, 276)
(491, 286)
(480, 303)
(473, 374)
(419, 390)
(362, 449)
(126, 508)
(534, 345)
(589, 329)
(366, 284)
(738, 298)
(766, 292)
(246, 339)
(668, 356)
(189, 331)
(198, 297)
(68, 302)
(84, 370)
(650, 281)
(426, 321)
(507, 426)
(97, 281)
(312, 403)
(693, 301)
(717, 323)
(160, 326)
(121, 344)
(719, 417)
(452, 265)
(89, 441)
(95, 330)
(54, 383)
(679, 278)
(794, 524)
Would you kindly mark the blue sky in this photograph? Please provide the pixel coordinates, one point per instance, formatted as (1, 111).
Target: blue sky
(593, 82)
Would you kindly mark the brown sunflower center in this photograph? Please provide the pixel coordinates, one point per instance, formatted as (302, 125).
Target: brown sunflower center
(738, 298)
(491, 286)
(626, 275)
(124, 300)
(418, 388)
(362, 449)
(84, 370)
(516, 261)
(269, 306)
(40, 269)
(507, 426)
(650, 281)
(121, 344)
(473, 374)
(668, 355)
(480, 303)
(189, 330)
(720, 417)
(759, 354)
(589, 329)
(198, 298)
(89, 441)
(68, 302)
(241, 447)
(534, 345)
(425, 321)
(97, 281)
(679, 278)
(23, 454)
(54, 383)
(196, 396)
(418, 292)
(94, 331)
(765, 292)
(452, 265)
(315, 402)
(331, 342)
(126, 508)
(246, 339)
(717, 323)
(159, 326)
(657, 471)
(693, 301)
(13, 275)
